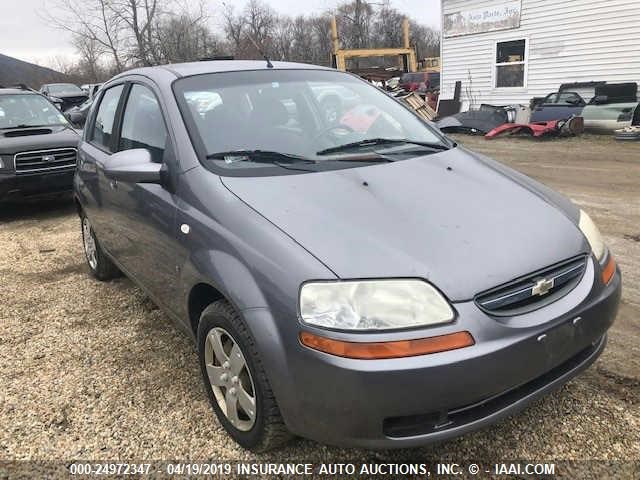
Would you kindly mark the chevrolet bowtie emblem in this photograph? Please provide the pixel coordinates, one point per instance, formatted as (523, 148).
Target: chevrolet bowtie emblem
(48, 158)
(542, 287)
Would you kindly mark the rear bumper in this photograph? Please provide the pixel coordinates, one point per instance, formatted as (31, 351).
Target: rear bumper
(24, 186)
(414, 401)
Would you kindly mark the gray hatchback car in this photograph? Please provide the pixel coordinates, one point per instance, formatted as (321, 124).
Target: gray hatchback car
(356, 277)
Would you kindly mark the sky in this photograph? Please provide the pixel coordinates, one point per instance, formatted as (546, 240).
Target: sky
(25, 34)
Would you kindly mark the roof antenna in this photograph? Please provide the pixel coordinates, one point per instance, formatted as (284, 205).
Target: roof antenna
(261, 52)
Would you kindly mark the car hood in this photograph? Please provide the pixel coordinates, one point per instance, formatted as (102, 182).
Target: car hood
(463, 222)
(40, 138)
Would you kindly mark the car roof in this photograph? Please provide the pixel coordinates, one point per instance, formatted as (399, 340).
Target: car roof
(219, 66)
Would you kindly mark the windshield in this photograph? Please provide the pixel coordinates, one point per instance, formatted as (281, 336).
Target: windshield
(301, 113)
(28, 111)
(65, 88)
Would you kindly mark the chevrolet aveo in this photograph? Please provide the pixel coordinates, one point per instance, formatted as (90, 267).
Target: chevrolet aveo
(348, 273)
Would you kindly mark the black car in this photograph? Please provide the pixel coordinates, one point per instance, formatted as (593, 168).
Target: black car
(70, 94)
(37, 146)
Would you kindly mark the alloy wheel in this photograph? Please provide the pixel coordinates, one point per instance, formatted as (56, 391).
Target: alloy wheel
(230, 379)
(89, 241)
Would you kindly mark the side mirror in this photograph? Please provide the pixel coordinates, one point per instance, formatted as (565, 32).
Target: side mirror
(600, 99)
(134, 166)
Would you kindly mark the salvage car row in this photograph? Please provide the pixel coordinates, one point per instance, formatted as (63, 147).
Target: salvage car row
(597, 107)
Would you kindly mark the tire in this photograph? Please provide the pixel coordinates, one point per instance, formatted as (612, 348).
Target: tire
(265, 429)
(100, 266)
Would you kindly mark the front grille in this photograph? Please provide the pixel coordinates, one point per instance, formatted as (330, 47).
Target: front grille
(45, 161)
(534, 290)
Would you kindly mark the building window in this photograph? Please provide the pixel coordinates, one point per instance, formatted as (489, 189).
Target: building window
(511, 64)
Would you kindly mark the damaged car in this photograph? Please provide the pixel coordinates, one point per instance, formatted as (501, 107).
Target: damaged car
(477, 122)
(558, 106)
(368, 283)
(68, 94)
(612, 107)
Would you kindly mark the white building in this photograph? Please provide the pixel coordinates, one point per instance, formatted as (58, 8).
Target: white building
(506, 52)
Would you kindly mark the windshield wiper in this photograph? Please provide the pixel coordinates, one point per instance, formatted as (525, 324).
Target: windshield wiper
(259, 156)
(380, 141)
(280, 159)
(363, 158)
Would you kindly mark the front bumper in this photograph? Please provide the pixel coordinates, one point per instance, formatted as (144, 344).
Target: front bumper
(32, 185)
(413, 401)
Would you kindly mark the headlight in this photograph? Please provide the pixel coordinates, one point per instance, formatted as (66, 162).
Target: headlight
(373, 304)
(6, 163)
(592, 233)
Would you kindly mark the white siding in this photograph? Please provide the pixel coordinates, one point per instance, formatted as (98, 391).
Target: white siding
(568, 41)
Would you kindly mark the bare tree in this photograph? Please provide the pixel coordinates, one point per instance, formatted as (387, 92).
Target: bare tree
(425, 39)
(234, 28)
(302, 40)
(261, 22)
(283, 39)
(183, 38)
(255, 26)
(387, 28)
(354, 23)
(112, 35)
(321, 26)
(90, 51)
(92, 20)
(139, 17)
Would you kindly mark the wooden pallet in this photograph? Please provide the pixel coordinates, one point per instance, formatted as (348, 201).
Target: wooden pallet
(416, 102)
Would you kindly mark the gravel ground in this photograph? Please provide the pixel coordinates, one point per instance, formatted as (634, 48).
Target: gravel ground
(94, 370)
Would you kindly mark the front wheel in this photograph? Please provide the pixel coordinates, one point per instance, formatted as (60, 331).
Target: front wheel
(235, 380)
(100, 266)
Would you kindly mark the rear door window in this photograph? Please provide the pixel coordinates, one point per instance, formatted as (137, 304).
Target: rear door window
(102, 133)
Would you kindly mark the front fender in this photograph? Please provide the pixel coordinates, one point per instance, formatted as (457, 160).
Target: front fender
(226, 274)
(232, 248)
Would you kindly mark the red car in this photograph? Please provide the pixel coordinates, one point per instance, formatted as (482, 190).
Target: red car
(420, 81)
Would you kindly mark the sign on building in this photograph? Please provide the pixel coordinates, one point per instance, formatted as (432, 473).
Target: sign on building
(502, 16)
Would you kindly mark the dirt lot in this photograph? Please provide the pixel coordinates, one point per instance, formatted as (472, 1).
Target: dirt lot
(95, 371)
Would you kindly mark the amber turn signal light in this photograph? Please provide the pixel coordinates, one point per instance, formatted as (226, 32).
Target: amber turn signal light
(608, 270)
(380, 350)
